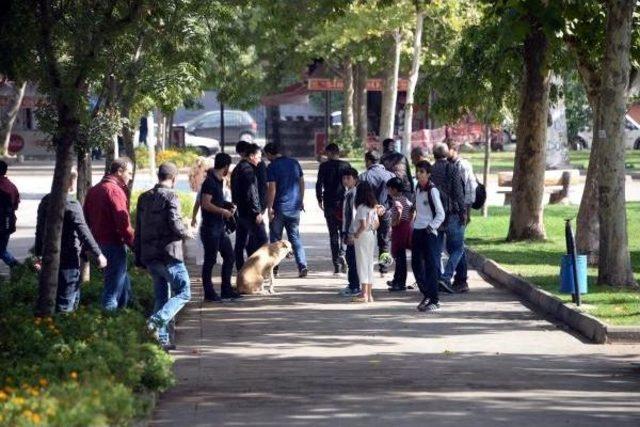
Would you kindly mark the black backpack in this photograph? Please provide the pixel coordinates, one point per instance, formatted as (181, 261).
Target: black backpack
(481, 196)
(7, 215)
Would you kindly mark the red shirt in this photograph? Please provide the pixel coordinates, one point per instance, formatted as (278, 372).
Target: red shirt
(7, 187)
(106, 209)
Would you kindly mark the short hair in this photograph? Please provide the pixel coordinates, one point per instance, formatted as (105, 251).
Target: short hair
(419, 151)
(365, 195)
(451, 144)
(388, 144)
(350, 172)
(3, 168)
(241, 147)
(372, 156)
(119, 163)
(251, 149)
(272, 148)
(167, 170)
(395, 183)
(440, 151)
(221, 161)
(423, 165)
(332, 148)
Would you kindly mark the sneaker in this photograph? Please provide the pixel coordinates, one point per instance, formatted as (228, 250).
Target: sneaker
(432, 306)
(212, 297)
(336, 270)
(423, 304)
(461, 287)
(394, 287)
(167, 347)
(230, 294)
(304, 271)
(445, 287)
(348, 292)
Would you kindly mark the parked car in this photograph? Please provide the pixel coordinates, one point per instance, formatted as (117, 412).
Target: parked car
(631, 134)
(208, 146)
(236, 124)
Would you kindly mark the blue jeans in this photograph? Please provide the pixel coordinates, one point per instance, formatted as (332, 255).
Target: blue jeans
(425, 262)
(68, 294)
(249, 235)
(454, 245)
(289, 221)
(117, 284)
(5, 255)
(168, 279)
(354, 281)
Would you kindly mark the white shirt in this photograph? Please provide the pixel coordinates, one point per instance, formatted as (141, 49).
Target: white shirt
(424, 216)
(363, 213)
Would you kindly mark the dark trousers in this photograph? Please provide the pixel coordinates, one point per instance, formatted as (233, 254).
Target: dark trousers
(400, 274)
(334, 225)
(214, 240)
(249, 236)
(354, 281)
(384, 238)
(68, 294)
(425, 262)
(461, 275)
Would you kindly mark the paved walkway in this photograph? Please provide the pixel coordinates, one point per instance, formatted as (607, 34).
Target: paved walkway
(307, 357)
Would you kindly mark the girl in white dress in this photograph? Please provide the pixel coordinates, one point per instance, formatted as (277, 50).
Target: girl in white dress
(365, 238)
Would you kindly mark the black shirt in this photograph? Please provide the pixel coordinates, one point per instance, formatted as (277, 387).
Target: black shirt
(213, 186)
(329, 189)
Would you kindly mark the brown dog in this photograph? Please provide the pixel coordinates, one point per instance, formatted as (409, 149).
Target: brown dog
(259, 267)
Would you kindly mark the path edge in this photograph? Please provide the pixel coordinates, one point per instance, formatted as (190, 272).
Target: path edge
(546, 303)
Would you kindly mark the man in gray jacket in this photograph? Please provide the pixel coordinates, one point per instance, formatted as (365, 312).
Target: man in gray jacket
(158, 247)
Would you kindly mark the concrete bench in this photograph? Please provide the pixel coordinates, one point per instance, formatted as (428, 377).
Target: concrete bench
(557, 184)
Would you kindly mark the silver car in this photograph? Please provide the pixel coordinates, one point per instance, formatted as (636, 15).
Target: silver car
(236, 124)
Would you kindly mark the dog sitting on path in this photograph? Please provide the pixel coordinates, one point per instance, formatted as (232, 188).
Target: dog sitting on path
(259, 267)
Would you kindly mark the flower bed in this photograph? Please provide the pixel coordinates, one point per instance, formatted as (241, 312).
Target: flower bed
(181, 157)
(79, 369)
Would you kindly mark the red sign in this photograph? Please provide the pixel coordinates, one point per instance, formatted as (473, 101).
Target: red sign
(320, 142)
(373, 85)
(16, 143)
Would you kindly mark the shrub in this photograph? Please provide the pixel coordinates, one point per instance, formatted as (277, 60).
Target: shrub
(182, 157)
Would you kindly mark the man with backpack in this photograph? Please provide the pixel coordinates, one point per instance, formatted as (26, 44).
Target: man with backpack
(446, 177)
(377, 176)
(9, 201)
(470, 185)
(397, 164)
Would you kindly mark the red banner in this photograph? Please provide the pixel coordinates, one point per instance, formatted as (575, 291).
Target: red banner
(373, 85)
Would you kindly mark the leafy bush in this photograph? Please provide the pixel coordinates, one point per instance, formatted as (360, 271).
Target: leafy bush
(182, 157)
(84, 368)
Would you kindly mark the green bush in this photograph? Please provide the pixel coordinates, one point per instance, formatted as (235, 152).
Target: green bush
(84, 368)
(182, 157)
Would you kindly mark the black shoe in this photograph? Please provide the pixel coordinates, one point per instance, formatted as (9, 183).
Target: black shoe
(432, 306)
(211, 296)
(423, 304)
(397, 289)
(230, 294)
(461, 287)
(445, 287)
(275, 271)
(304, 271)
(168, 347)
(336, 269)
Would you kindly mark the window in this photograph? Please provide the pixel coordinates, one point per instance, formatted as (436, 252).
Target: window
(209, 121)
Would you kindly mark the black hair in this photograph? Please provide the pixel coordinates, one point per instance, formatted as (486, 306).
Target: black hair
(388, 144)
(272, 148)
(365, 195)
(423, 165)
(332, 148)
(3, 168)
(372, 156)
(350, 172)
(241, 147)
(221, 161)
(251, 149)
(119, 163)
(395, 183)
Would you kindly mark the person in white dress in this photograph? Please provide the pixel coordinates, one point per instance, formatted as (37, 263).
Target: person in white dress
(365, 238)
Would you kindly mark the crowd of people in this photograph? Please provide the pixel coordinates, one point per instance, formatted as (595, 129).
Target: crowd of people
(384, 206)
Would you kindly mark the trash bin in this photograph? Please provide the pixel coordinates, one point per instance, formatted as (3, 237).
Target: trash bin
(566, 274)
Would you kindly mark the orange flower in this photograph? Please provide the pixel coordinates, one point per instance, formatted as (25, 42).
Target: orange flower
(73, 375)
(43, 382)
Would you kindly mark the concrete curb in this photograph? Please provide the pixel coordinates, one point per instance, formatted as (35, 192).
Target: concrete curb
(590, 327)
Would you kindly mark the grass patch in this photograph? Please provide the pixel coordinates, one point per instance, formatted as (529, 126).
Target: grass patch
(539, 262)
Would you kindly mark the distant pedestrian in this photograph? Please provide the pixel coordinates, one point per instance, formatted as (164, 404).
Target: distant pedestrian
(364, 238)
(419, 154)
(158, 247)
(9, 202)
(469, 185)
(285, 201)
(143, 130)
(329, 192)
(250, 232)
(377, 176)
(197, 175)
(216, 212)
(425, 245)
(75, 237)
(397, 163)
(349, 226)
(106, 209)
(401, 218)
(446, 177)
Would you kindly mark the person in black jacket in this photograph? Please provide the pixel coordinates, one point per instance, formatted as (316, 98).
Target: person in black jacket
(245, 193)
(75, 236)
(329, 192)
(158, 248)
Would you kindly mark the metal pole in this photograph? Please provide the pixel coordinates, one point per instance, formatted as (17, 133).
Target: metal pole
(222, 127)
(571, 250)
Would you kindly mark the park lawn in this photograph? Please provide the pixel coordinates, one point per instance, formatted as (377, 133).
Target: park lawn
(539, 262)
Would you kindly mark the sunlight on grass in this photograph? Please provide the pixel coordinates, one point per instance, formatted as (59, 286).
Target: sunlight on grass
(540, 262)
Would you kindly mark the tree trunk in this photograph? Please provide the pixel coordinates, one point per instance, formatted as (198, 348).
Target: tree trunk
(614, 266)
(84, 183)
(487, 165)
(347, 109)
(526, 221)
(48, 279)
(10, 118)
(413, 81)
(361, 103)
(390, 87)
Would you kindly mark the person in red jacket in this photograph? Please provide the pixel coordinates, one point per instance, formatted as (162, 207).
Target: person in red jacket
(9, 201)
(106, 208)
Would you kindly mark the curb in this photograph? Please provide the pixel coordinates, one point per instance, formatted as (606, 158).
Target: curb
(542, 301)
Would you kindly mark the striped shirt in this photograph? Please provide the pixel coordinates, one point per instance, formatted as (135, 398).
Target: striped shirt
(401, 209)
